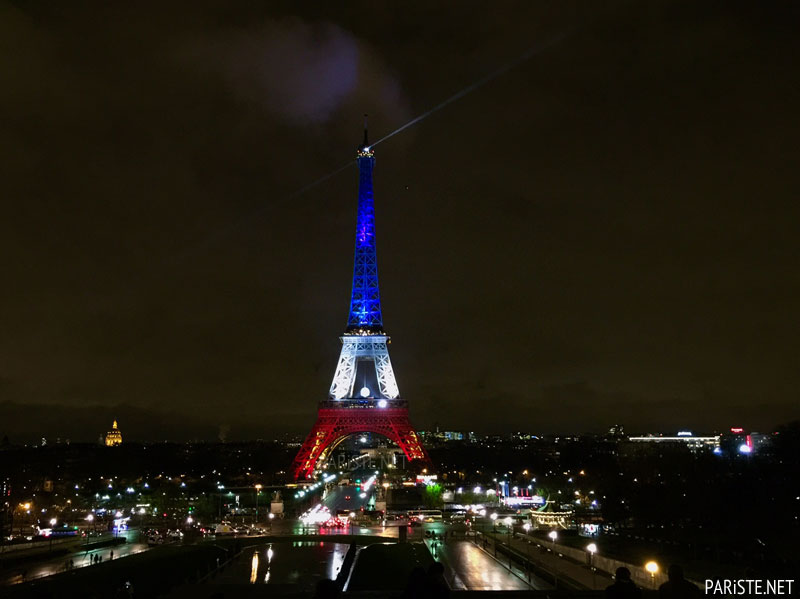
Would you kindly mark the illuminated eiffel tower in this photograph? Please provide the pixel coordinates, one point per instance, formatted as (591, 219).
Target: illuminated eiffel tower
(364, 396)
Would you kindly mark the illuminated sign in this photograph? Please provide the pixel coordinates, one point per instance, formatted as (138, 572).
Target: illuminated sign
(428, 479)
(536, 500)
(737, 429)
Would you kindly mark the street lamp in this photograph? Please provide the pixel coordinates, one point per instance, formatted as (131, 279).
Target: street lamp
(592, 549)
(52, 526)
(652, 567)
(553, 536)
(527, 527)
(494, 522)
(258, 491)
(89, 518)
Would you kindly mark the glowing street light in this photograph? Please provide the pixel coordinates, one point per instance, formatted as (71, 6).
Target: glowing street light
(258, 491)
(89, 518)
(553, 536)
(592, 549)
(652, 567)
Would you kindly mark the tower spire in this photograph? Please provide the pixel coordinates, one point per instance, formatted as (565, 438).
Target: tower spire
(365, 301)
(365, 145)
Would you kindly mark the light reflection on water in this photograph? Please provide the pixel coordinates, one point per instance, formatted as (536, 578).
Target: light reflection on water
(254, 568)
(296, 563)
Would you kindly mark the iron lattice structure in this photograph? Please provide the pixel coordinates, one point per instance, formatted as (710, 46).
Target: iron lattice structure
(364, 396)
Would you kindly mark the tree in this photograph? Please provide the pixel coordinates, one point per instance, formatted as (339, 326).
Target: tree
(432, 498)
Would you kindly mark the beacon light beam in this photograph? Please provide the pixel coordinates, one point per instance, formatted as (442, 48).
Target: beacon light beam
(527, 55)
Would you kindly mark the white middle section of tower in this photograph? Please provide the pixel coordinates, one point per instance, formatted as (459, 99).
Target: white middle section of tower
(356, 348)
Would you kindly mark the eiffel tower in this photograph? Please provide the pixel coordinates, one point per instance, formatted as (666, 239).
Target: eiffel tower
(364, 396)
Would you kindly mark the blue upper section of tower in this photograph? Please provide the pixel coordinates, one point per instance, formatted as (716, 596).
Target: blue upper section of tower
(365, 301)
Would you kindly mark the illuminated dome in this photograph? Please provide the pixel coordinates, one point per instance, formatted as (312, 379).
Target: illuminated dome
(114, 436)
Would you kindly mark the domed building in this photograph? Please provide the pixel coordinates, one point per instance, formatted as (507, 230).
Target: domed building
(114, 436)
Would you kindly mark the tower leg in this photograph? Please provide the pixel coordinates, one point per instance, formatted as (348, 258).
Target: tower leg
(334, 424)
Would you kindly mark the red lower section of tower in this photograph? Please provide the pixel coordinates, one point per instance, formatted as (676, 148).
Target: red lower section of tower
(338, 419)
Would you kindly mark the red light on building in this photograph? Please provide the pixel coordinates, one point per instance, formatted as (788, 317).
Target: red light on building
(737, 429)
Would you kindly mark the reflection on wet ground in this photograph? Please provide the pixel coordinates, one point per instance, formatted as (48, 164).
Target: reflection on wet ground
(299, 564)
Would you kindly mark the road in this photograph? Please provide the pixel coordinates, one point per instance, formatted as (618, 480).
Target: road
(562, 568)
(80, 559)
(468, 567)
(348, 498)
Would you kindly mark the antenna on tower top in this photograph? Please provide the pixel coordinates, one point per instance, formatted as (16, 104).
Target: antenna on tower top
(366, 141)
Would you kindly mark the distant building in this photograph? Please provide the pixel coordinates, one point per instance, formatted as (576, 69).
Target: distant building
(682, 439)
(739, 440)
(444, 436)
(114, 436)
(616, 431)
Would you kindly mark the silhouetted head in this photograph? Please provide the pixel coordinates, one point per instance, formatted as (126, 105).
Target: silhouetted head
(416, 578)
(326, 589)
(623, 574)
(675, 573)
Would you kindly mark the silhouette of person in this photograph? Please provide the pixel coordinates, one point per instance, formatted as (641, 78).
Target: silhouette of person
(435, 583)
(623, 587)
(415, 587)
(677, 586)
(327, 589)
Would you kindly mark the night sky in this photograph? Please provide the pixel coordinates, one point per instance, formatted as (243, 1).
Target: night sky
(607, 232)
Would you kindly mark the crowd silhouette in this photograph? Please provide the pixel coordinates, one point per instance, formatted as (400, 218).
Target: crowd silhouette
(676, 587)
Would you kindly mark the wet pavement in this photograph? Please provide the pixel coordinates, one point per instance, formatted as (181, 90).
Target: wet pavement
(80, 558)
(298, 564)
(468, 567)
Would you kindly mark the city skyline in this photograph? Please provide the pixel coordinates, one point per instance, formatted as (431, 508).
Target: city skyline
(592, 244)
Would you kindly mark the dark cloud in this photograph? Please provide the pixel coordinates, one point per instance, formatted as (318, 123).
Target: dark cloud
(303, 72)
